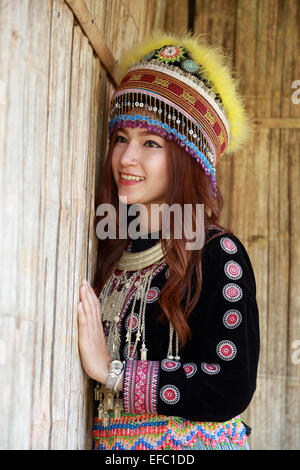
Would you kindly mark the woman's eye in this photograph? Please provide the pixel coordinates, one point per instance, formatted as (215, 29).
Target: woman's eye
(120, 139)
(152, 143)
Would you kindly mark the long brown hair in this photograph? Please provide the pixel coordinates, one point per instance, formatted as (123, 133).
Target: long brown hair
(189, 186)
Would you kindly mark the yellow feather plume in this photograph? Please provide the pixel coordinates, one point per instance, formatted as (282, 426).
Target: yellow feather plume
(216, 70)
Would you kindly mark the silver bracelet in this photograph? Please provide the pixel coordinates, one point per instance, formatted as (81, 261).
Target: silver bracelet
(118, 381)
(119, 378)
(115, 370)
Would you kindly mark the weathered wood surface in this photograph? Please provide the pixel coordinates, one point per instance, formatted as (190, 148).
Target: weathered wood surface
(261, 190)
(53, 102)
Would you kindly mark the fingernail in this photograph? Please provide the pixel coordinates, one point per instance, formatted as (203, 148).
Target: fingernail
(84, 281)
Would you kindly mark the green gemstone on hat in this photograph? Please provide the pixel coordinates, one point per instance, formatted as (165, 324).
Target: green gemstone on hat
(190, 65)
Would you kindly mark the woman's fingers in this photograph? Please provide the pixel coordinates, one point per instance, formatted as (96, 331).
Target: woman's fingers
(81, 315)
(94, 307)
(84, 300)
(92, 344)
(96, 303)
(89, 305)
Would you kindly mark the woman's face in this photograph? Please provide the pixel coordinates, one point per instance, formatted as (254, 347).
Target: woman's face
(137, 152)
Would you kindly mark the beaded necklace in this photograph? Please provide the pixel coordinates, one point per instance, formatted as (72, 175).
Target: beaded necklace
(112, 299)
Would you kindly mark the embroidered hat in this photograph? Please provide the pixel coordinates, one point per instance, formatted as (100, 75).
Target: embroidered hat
(187, 87)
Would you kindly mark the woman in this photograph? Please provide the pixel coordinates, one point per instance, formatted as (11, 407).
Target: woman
(170, 334)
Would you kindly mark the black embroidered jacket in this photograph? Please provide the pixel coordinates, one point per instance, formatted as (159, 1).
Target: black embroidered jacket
(216, 376)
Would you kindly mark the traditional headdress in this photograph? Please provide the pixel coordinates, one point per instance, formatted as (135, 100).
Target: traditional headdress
(189, 87)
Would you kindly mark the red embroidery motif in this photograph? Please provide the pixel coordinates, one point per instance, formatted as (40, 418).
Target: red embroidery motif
(200, 106)
(232, 292)
(169, 365)
(132, 321)
(190, 369)
(210, 368)
(129, 354)
(153, 294)
(232, 318)
(175, 88)
(217, 128)
(140, 386)
(146, 77)
(228, 245)
(233, 270)
(170, 394)
(226, 350)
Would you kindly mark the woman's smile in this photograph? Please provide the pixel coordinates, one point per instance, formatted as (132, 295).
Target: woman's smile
(140, 159)
(130, 179)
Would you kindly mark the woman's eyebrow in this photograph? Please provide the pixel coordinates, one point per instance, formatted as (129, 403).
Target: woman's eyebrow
(145, 133)
(141, 133)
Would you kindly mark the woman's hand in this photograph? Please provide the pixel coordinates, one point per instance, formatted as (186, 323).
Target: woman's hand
(92, 345)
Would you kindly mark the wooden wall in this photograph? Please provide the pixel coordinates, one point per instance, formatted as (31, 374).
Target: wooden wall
(261, 187)
(53, 98)
(53, 106)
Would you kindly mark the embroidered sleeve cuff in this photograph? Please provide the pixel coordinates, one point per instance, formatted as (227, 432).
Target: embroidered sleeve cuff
(140, 387)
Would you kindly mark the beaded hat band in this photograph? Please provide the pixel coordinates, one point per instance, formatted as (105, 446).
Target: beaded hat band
(187, 95)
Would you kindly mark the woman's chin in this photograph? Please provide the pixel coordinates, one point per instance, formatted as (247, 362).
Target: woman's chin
(126, 198)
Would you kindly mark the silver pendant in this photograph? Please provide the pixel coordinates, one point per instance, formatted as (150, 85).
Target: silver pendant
(109, 306)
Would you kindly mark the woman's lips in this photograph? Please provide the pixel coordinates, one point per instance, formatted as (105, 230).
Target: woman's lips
(129, 182)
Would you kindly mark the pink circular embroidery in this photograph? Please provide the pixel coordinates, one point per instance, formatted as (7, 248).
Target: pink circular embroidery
(127, 356)
(232, 292)
(170, 394)
(232, 318)
(133, 321)
(190, 369)
(233, 270)
(228, 245)
(226, 350)
(210, 368)
(169, 365)
(153, 294)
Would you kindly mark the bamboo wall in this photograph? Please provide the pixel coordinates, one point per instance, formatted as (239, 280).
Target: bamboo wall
(53, 101)
(53, 96)
(261, 187)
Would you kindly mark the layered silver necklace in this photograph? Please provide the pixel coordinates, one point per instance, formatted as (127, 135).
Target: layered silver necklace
(112, 301)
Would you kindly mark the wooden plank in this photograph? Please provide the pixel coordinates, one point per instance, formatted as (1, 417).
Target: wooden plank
(54, 100)
(261, 191)
(290, 140)
(176, 16)
(216, 20)
(94, 35)
(24, 69)
(161, 10)
(277, 123)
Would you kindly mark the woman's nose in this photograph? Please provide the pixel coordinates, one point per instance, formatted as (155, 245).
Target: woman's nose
(130, 154)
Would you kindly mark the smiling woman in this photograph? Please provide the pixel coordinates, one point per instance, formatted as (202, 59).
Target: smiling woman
(169, 334)
(140, 154)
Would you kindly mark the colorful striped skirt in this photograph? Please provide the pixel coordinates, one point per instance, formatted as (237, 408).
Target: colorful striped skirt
(158, 432)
